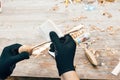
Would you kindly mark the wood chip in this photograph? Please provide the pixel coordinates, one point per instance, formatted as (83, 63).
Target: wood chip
(110, 0)
(102, 64)
(55, 8)
(97, 53)
(110, 51)
(110, 28)
(93, 27)
(109, 15)
(101, 1)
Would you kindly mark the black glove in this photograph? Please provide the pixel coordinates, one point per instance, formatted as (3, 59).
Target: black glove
(9, 57)
(64, 52)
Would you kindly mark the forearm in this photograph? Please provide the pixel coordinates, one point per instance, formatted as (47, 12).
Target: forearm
(70, 75)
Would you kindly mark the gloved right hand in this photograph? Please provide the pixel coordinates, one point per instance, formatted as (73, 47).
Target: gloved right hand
(64, 52)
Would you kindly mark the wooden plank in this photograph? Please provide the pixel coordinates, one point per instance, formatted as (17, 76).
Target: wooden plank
(20, 21)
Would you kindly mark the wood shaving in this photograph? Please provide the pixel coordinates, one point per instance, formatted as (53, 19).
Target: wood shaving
(109, 15)
(55, 8)
(40, 50)
(109, 51)
(75, 66)
(77, 34)
(82, 45)
(114, 51)
(117, 30)
(93, 27)
(93, 41)
(112, 33)
(110, 28)
(110, 0)
(102, 64)
(104, 1)
(97, 53)
(101, 1)
(71, 2)
(44, 55)
(79, 18)
(86, 62)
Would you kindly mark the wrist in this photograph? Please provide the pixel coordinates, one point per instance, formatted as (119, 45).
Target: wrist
(70, 75)
(65, 68)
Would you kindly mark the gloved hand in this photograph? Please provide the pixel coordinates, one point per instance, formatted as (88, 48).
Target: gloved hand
(64, 52)
(9, 58)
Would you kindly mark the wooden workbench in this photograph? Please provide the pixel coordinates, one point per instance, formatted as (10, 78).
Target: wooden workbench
(20, 21)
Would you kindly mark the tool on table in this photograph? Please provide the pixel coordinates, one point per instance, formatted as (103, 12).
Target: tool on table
(75, 30)
(88, 53)
(77, 33)
(90, 56)
(49, 26)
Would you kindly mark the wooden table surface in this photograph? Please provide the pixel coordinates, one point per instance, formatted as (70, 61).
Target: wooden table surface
(20, 21)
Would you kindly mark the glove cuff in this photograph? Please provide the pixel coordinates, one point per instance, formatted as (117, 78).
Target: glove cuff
(63, 69)
(1, 79)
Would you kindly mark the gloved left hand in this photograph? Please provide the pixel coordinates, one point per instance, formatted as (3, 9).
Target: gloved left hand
(9, 57)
